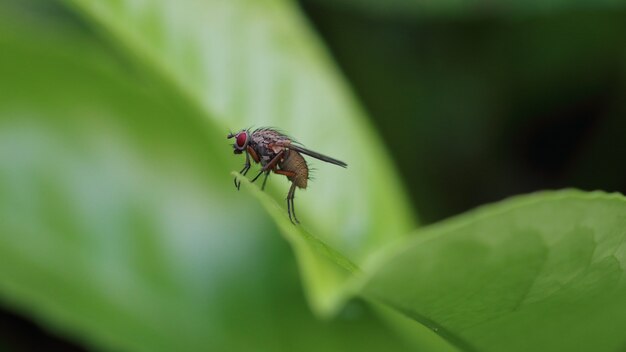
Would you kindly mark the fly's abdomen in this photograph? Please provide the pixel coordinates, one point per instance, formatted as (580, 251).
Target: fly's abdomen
(294, 162)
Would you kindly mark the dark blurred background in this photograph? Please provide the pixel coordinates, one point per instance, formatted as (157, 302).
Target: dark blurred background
(482, 104)
(474, 105)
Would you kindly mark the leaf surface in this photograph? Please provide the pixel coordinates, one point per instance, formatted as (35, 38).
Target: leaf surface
(119, 222)
(540, 272)
(249, 63)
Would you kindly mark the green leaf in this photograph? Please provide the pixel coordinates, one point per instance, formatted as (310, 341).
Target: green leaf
(119, 222)
(544, 272)
(332, 267)
(249, 63)
(323, 267)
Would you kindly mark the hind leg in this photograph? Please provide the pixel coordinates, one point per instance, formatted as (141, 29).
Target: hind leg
(290, 195)
(290, 205)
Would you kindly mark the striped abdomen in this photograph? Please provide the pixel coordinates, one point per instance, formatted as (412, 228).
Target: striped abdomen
(294, 162)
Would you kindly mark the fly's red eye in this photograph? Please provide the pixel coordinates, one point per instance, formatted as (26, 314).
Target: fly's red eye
(241, 139)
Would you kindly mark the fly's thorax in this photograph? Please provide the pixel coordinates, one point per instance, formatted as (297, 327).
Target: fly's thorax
(267, 143)
(270, 138)
(265, 154)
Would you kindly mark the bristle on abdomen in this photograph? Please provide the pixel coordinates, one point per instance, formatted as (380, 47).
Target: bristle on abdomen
(293, 161)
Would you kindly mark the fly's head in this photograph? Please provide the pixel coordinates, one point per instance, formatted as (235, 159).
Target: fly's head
(241, 141)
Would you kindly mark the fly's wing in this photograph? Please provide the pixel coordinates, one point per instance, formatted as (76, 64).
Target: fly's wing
(316, 155)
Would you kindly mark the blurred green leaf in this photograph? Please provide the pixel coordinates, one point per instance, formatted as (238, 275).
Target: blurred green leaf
(119, 222)
(255, 63)
(326, 274)
(544, 272)
(323, 267)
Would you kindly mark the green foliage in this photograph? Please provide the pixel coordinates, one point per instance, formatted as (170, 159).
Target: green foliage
(544, 272)
(120, 222)
(323, 268)
(246, 63)
(121, 225)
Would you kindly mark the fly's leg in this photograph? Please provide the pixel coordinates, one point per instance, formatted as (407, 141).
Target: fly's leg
(243, 171)
(291, 210)
(290, 205)
(253, 154)
(267, 174)
(270, 165)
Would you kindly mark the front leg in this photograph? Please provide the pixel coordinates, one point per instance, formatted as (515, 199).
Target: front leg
(243, 171)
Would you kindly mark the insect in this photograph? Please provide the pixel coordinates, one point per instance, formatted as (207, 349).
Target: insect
(277, 153)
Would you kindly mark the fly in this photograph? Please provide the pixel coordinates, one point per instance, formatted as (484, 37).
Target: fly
(280, 154)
